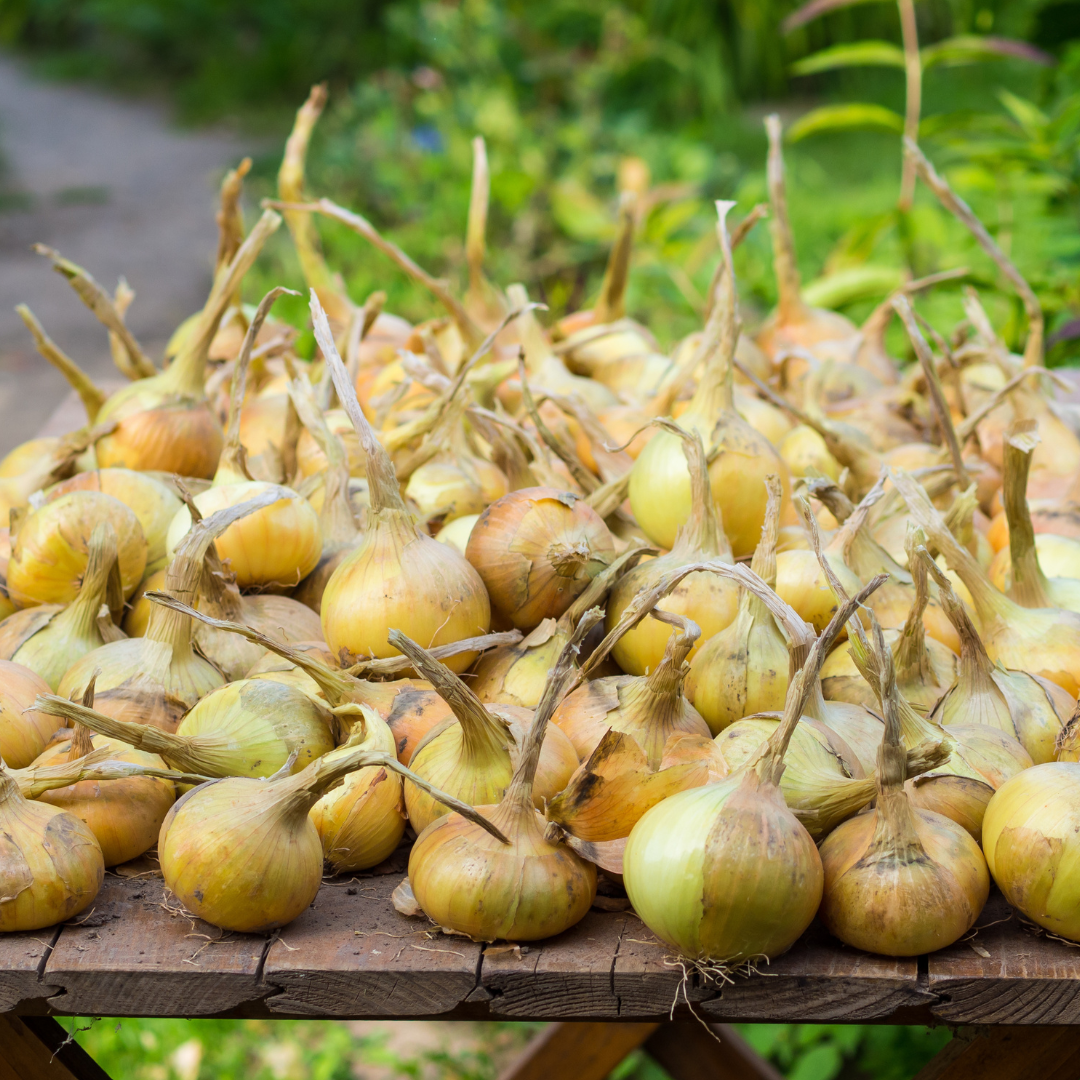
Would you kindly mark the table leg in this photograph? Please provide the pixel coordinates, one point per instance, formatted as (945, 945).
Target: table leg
(688, 1050)
(577, 1051)
(1027, 1052)
(37, 1048)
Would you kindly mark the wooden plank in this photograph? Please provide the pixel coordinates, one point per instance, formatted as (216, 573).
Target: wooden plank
(578, 1051)
(1007, 1053)
(689, 1050)
(568, 975)
(820, 979)
(352, 955)
(1024, 978)
(22, 961)
(129, 956)
(38, 1048)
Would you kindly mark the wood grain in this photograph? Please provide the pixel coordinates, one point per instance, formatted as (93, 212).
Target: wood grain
(352, 955)
(37, 1048)
(1025, 978)
(128, 956)
(1007, 1053)
(594, 1050)
(688, 1050)
(22, 960)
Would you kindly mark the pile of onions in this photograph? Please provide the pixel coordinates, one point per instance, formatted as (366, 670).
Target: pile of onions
(24, 730)
(398, 577)
(902, 881)
(49, 638)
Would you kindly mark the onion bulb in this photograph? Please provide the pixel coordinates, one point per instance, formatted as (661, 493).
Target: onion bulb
(661, 491)
(744, 668)
(725, 873)
(536, 549)
(709, 600)
(801, 582)
(137, 616)
(361, 822)
(165, 422)
(51, 550)
(1031, 709)
(902, 881)
(473, 756)
(398, 577)
(49, 638)
(244, 854)
(1030, 836)
(24, 730)
(1041, 641)
(456, 533)
(51, 867)
(525, 888)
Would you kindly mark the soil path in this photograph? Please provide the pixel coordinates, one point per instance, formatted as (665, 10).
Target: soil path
(114, 186)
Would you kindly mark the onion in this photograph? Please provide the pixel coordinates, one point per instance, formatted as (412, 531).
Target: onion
(1041, 641)
(362, 822)
(165, 422)
(800, 582)
(725, 873)
(1031, 709)
(474, 757)
(51, 550)
(51, 867)
(901, 881)
(523, 888)
(661, 492)
(457, 532)
(137, 617)
(744, 668)
(311, 458)
(1030, 836)
(244, 854)
(804, 452)
(24, 731)
(398, 576)
(49, 638)
(536, 549)
(710, 601)
(151, 501)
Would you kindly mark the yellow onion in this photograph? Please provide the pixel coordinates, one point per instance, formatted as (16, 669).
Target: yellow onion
(536, 549)
(800, 582)
(278, 669)
(1029, 836)
(51, 550)
(310, 456)
(457, 532)
(980, 758)
(244, 854)
(248, 728)
(155, 679)
(710, 601)
(139, 609)
(761, 415)
(26, 455)
(398, 577)
(661, 491)
(472, 756)
(794, 324)
(361, 822)
(15, 491)
(725, 873)
(804, 452)
(1028, 707)
(123, 814)
(24, 731)
(1040, 641)
(523, 887)
(151, 501)
(901, 881)
(517, 674)
(49, 638)
(744, 668)
(51, 867)
(165, 422)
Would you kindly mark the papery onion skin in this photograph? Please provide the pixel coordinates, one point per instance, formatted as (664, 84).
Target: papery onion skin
(24, 731)
(137, 616)
(801, 583)
(185, 439)
(51, 550)
(1030, 837)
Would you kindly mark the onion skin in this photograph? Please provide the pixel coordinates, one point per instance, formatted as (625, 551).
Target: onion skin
(801, 583)
(1030, 838)
(536, 549)
(137, 617)
(185, 438)
(51, 550)
(50, 864)
(24, 731)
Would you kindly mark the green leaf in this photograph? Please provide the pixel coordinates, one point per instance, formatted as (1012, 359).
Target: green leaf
(858, 54)
(973, 48)
(823, 1062)
(866, 282)
(838, 117)
(1028, 115)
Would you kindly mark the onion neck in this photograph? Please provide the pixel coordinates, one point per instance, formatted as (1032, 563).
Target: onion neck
(790, 308)
(81, 743)
(703, 534)
(909, 651)
(9, 789)
(1030, 588)
(610, 304)
(81, 615)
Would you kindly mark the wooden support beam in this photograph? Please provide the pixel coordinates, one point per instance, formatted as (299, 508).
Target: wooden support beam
(37, 1048)
(578, 1051)
(688, 1050)
(1008, 1053)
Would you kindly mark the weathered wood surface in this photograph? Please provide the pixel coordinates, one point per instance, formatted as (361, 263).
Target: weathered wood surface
(594, 1049)
(38, 1048)
(1007, 1053)
(352, 955)
(689, 1050)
